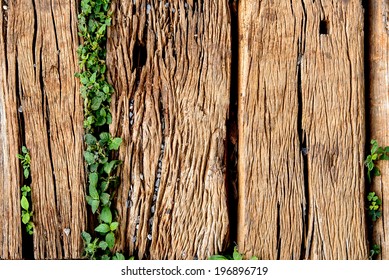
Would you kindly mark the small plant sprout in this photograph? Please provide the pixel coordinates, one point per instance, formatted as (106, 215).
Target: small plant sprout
(25, 201)
(235, 256)
(25, 161)
(374, 206)
(376, 153)
(374, 251)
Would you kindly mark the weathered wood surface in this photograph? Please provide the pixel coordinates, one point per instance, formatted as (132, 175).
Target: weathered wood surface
(169, 63)
(41, 42)
(301, 130)
(11, 235)
(378, 59)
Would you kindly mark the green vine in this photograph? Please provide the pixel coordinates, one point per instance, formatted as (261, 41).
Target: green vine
(374, 202)
(25, 201)
(100, 145)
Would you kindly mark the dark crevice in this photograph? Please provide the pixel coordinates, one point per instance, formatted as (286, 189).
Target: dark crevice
(278, 232)
(323, 27)
(367, 66)
(232, 128)
(139, 56)
(35, 33)
(301, 134)
(27, 239)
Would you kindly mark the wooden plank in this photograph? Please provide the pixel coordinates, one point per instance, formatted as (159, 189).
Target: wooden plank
(270, 165)
(378, 55)
(10, 214)
(169, 63)
(301, 130)
(334, 123)
(41, 50)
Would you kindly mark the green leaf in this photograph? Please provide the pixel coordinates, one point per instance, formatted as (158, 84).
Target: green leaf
(384, 157)
(24, 149)
(104, 198)
(236, 255)
(109, 166)
(115, 143)
(101, 121)
(86, 236)
(109, 118)
(25, 217)
(24, 203)
(105, 258)
(376, 172)
(92, 78)
(110, 239)
(113, 226)
(254, 258)
(89, 157)
(106, 89)
(119, 257)
(104, 186)
(93, 179)
(90, 139)
(103, 245)
(26, 173)
(217, 257)
(95, 204)
(106, 215)
(102, 228)
(96, 103)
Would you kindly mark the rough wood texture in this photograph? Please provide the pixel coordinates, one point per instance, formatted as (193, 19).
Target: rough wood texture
(378, 38)
(11, 235)
(170, 66)
(41, 58)
(301, 130)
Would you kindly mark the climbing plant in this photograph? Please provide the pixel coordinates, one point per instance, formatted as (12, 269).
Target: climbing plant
(96, 92)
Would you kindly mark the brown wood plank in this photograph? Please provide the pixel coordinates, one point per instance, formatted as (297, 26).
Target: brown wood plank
(378, 38)
(301, 130)
(10, 214)
(334, 125)
(270, 165)
(170, 66)
(41, 44)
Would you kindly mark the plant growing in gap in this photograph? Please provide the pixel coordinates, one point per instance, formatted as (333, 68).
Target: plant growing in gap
(376, 153)
(374, 202)
(374, 206)
(25, 201)
(235, 256)
(93, 21)
(375, 250)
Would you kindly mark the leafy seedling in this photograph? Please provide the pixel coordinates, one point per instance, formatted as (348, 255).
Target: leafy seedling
(376, 153)
(374, 206)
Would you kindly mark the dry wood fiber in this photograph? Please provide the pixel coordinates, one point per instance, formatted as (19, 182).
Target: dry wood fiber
(378, 59)
(41, 58)
(301, 130)
(10, 225)
(169, 62)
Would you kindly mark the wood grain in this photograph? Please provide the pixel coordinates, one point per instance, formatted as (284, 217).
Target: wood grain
(378, 59)
(169, 63)
(301, 130)
(41, 56)
(10, 214)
